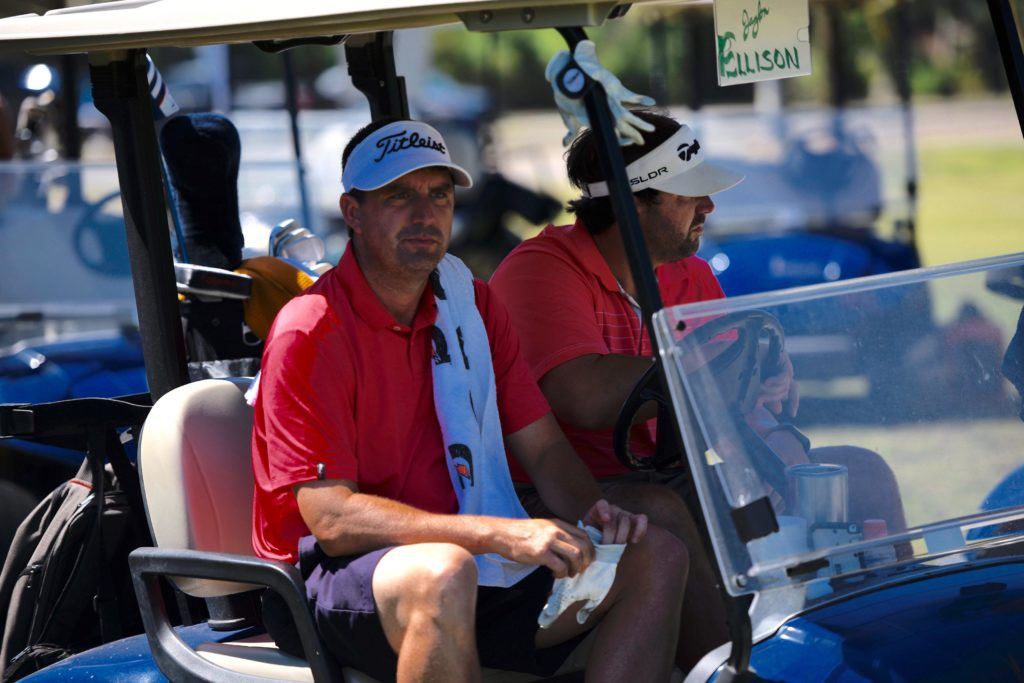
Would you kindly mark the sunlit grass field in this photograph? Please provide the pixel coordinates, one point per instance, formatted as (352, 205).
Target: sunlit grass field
(971, 205)
(971, 201)
(944, 468)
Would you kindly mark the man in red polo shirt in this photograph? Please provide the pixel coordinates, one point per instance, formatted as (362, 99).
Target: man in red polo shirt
(357, 477)
(571, 297)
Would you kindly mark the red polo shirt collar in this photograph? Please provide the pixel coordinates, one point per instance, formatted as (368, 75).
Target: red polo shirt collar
(367, 304)
(585, 250)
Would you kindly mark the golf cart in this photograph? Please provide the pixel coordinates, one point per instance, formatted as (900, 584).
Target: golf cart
(72, 332)
(816, 586)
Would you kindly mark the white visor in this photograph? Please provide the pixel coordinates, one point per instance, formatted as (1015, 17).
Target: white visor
(395, 150)
(676, 166)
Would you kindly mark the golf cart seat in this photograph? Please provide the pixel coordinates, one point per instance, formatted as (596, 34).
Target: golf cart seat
(197, 482)
(197, 486)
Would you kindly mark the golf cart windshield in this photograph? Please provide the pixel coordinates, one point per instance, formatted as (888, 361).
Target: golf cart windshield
(925, 470)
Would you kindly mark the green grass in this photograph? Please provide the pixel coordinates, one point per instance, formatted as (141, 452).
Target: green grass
(971, 201)
(944, 468)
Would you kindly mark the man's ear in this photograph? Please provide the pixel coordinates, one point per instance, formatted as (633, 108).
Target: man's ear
(350, 212)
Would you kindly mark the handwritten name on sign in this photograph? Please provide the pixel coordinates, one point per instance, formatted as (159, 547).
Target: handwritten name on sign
(760, 40)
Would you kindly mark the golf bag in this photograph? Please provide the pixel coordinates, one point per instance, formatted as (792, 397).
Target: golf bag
(65, 586)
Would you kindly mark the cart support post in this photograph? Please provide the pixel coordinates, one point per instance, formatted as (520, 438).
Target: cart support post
(122, 95)
(291, 93)
(1008, 36)
(614, 169)
(371, 64)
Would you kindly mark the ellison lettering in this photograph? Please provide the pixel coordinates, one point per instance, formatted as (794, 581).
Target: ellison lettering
(734, 64)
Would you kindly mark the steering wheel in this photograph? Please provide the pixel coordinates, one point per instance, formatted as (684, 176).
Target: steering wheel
(755, 353)
(99, 239)
(648, 388)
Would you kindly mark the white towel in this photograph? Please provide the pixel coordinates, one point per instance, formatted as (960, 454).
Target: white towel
(466, 401)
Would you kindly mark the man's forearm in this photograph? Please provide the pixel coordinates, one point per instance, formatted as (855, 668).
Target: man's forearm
(363, 522)
(589, 391)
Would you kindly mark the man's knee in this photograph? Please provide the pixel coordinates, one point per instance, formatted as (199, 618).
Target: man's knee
(438, 579)
(660, 557)
(662, 505)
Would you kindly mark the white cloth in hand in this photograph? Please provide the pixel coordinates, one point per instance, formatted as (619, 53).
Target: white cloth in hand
(591, 585)
(574, 112)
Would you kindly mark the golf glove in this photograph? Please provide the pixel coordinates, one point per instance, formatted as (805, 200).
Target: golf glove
(574, 111)
(591, 585)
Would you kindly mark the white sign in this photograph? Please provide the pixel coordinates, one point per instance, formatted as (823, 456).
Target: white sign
(761, 40)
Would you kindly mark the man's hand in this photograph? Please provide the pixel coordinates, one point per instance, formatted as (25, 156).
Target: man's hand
(564, 549)
(617, 525)
(781, 390)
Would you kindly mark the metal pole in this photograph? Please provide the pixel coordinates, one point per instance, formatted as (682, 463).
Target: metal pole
(1008, 36)
(291, 98)
(121, 93)
(659, 59)
(902, 41)
(614, 170)
(71, 136)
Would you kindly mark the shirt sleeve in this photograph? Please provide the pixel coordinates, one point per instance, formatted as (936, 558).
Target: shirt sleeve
(304, 412)
(520, 401)
(552, 308)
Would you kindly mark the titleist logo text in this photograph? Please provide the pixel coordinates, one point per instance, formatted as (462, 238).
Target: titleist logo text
(390, 144)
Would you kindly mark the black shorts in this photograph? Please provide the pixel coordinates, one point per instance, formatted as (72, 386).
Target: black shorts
(340, 594)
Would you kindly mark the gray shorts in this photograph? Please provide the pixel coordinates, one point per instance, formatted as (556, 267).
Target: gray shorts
(340, 594)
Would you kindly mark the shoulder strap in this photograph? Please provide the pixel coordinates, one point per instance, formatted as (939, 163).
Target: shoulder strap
(105, 600)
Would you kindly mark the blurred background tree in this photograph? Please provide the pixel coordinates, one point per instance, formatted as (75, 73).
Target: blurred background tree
(671, 54)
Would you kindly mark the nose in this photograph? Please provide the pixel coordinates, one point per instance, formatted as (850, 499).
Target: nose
(423, 209)
(707, 205)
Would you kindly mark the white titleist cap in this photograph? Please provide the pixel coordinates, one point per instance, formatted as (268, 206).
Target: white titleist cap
(394, 150)
(676, 166)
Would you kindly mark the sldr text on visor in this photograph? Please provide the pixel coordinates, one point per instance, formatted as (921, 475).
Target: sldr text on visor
(677, 166)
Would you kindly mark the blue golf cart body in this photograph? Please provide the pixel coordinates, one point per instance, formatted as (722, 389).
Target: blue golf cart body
(955, 625)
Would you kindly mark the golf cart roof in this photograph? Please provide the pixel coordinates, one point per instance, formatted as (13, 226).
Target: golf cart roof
(128, 24)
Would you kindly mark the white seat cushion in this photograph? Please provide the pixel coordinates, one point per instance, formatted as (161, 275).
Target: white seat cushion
(196, 473)
(256, 656)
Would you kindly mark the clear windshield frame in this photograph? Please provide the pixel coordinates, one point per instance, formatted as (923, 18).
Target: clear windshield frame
(730, 484)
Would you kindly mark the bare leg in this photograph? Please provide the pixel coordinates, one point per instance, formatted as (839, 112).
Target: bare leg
(426, 597)
(639, 620)
(703, 623)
